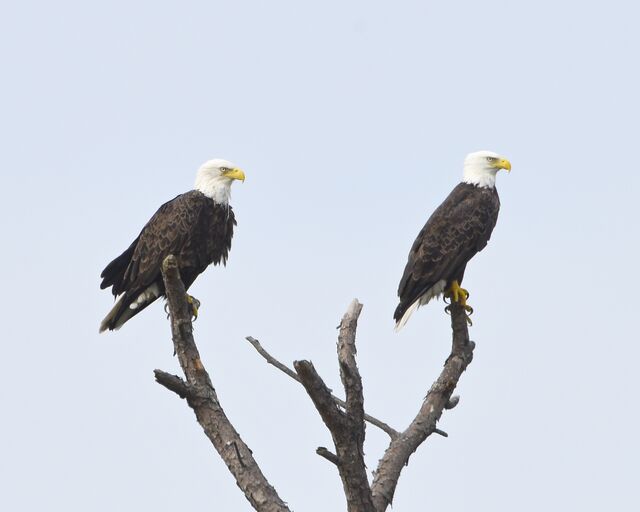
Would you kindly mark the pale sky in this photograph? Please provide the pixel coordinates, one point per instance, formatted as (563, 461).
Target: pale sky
(351, 120)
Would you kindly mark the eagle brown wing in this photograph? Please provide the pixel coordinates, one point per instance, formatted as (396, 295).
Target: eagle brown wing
(182, 226)
(458, 229)
(165, 233)
(192, 227)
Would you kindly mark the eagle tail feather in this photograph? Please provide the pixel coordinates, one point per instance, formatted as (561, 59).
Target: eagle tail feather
(402, 317)
(123, 311)
(113, 274)
(109, 321)
(404, 312)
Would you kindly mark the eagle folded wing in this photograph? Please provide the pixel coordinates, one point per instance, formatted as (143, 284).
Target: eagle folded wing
(456, 231)
(165, 233)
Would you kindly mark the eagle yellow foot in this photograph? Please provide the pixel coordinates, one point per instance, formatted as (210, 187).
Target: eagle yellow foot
(458, 294)
(195, 305)
(193, 302)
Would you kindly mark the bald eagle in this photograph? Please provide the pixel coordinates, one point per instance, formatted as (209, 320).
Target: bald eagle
(458, 229)
(196, 227)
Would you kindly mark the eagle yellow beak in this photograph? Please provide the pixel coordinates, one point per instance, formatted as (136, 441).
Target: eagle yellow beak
(234, 174)
(503, 163)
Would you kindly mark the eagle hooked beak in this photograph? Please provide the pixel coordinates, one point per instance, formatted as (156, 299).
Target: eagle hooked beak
(503, 163)
(234, 174)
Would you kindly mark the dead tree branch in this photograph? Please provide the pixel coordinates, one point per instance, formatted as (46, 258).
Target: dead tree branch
(202, 398)
(347, 427)
(393, 433)
(438, 398)
(330, 456)
(344, 419)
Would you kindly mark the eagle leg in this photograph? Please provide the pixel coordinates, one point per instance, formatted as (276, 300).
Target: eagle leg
(193, 302)
(458, 294)
(195, 305)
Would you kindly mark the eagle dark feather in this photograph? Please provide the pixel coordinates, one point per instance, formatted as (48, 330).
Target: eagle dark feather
(459, 228)
(194, 228)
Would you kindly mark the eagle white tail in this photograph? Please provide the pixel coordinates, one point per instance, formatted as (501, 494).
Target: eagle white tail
(120, 312)
(435, 291)
(407, 314)
(111, 321)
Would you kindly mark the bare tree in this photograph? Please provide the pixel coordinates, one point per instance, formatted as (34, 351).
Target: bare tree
(344, 419)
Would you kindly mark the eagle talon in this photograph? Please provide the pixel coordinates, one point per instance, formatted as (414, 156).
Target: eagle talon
(195, 305)
(468, 311)
(458, 295)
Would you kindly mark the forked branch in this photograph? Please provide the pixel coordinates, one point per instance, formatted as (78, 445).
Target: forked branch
(347, 427)
(393, 433)
(344, 419)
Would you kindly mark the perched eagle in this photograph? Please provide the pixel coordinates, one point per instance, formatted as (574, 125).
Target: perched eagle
(458, 229)
(196, 227)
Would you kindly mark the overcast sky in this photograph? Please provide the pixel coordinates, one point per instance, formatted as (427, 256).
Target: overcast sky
(351, 120)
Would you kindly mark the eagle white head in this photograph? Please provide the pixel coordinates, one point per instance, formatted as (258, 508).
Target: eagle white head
(215, 177)
(480, 168)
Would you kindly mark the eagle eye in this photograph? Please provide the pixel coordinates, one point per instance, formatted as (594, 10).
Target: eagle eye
(491, 159)
(224, 169)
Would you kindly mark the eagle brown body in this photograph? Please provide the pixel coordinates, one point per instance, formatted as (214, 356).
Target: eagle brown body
(458, 229)
(193, 227)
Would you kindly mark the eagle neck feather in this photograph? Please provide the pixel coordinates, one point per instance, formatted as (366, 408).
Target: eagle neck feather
(217, 188)
(479, 177)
